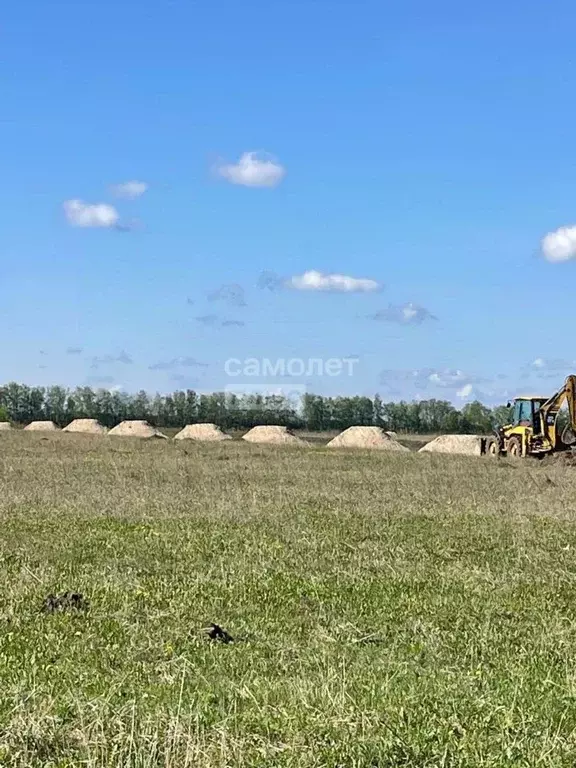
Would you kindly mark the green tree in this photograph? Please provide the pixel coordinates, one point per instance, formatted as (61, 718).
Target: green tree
(478, 416)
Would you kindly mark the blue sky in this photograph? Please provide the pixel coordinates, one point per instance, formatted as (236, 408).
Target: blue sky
(427, 148)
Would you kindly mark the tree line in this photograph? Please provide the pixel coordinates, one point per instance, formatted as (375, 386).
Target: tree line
(22, 404)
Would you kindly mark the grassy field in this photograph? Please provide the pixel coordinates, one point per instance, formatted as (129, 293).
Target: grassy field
(389, 609)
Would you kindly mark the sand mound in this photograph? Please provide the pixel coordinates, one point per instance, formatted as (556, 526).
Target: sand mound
(136, 429)
(366, 437)
(5, 426)
(86, 426)
(208, 433)
(470, 445)
(273, 435)
(42, 426)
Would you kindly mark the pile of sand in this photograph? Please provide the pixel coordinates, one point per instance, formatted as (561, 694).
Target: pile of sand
(366, 437)
(5, 426)
(86, 426)
(273, 435)
(42, 426)
(470, 445)
(208, 433)
(136, 429)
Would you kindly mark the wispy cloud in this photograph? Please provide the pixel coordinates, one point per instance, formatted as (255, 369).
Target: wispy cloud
(122, 357)
(130, 190)
(254, 169)
(405, 314)
(270, 281)
(74, 351)
(548, 368)
(447, 378)
(81, 214)
(336, 283)
(209, 320)
(450, 384)
(424, 378)
(233, 323)
(231, 294)
(177, 362)
(559, 245)
(552, 364)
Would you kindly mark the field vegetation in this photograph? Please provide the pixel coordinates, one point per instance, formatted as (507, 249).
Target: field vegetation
(387, 609)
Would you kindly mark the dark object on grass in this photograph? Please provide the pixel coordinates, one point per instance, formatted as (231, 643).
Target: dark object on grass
(65, 601)
(215, 632)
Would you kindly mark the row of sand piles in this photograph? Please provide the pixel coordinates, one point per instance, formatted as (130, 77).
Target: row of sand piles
(371, 438)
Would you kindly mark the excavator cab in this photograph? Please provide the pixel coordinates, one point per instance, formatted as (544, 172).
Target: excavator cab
(526, 412)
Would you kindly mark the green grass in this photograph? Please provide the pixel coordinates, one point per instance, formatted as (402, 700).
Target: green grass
(391, 609)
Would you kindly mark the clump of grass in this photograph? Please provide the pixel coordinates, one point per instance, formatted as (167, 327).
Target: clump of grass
(391, 609)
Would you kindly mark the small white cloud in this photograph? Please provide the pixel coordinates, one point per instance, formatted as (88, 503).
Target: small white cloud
(405, 314)
(560, 245)
(538, 363)
(81, 214)
(130, 190)
(316, 281)
(253, 170)
(465, 392)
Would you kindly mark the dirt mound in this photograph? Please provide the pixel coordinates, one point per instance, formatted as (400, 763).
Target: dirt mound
(139, 429)
(5, 426)
(86, 426)
(208, 433)
(42, 426)
(366, 437)
(273, 435)
(468, 445)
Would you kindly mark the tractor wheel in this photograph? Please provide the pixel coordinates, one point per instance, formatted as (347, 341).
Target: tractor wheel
(514, 447)
(492, 447)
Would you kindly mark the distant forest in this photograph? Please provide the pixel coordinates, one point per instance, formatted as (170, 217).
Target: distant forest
(22, 404)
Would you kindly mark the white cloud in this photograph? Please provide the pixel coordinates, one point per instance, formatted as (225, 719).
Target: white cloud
(130, 189)
(253, 170)
(538, 363)
(465, 392)
(317, 281)
(81, 214)
(560, 245)
(406, 314)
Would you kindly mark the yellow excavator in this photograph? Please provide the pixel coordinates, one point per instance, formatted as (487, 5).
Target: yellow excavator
(534, 428)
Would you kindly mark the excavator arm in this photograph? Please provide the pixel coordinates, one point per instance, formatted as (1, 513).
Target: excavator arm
(551, 407)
